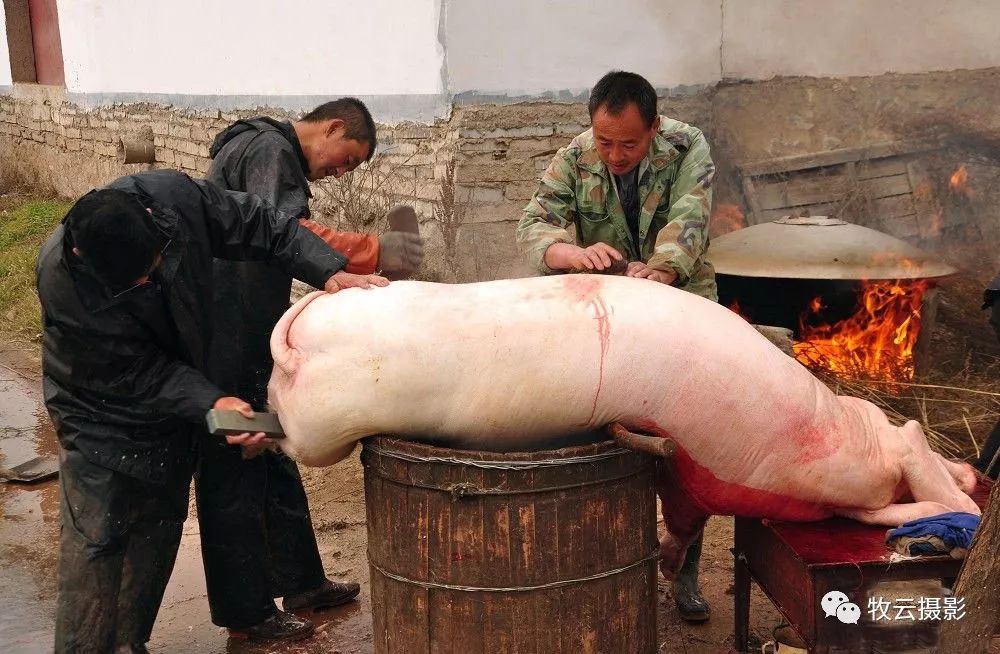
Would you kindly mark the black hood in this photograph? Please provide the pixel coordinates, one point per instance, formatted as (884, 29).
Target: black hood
(261, 124)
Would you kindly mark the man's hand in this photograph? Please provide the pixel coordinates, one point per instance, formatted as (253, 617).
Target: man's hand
(639, 269)
(252, 444)
(400, 253)
(341, 280)
(566, 256)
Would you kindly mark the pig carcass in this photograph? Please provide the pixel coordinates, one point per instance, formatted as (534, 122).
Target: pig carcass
(515, 363)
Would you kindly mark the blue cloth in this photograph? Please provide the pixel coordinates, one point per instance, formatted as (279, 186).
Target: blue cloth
(955, 529)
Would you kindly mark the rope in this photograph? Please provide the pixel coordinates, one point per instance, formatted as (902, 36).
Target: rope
(430, 585)
(460, 490)
(499, 465)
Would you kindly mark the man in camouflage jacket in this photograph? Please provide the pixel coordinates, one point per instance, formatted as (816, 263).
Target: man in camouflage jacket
(674, 198)
(637, 186)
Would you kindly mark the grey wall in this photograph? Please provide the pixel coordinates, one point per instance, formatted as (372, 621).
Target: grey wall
(525, 47)
(528, 47)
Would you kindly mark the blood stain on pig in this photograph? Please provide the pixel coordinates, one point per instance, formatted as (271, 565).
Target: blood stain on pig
(810, 437)
(582, 288)
(585, 289)
(717, 497)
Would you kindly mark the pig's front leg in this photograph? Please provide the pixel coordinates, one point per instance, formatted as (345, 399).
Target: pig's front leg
(684, 520)
(894, 515)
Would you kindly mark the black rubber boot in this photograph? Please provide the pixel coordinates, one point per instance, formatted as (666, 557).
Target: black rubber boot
(691, 605)
(330, 594)
(280, 626)
(132, 648)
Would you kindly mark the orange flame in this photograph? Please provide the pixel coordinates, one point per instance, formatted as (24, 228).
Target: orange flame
(959, 182)
(876, 342)
(726, 218)
(737, 309)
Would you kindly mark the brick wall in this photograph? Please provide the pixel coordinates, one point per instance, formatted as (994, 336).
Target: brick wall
(499, 151)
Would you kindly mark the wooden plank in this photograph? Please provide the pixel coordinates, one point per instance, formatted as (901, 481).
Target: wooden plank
(798, 192)
(881, 167)
(753, 202)
(893, 207)
(884, 187)
(835, 157)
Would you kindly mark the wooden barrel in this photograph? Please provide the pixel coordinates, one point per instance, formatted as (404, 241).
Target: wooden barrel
(549, 552)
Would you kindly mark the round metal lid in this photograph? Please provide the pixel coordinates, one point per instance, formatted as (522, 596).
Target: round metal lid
(818, 247)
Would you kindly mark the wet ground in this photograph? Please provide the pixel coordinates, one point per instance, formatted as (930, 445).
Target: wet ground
(29, 540)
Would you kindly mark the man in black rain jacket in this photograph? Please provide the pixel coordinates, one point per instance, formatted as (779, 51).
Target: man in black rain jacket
(256, 532)
(125, 285)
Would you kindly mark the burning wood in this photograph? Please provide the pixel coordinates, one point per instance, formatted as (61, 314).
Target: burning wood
(876, 342)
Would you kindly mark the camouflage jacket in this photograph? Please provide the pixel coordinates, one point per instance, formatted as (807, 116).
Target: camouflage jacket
(675, 198)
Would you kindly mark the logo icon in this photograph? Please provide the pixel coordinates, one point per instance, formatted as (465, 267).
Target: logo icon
(837, 604)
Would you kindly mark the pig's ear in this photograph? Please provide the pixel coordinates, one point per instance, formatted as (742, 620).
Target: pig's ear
(285, 356)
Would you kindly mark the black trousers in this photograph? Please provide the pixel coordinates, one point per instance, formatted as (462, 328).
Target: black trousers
(257, 538)
(117, 547)
(989, 454)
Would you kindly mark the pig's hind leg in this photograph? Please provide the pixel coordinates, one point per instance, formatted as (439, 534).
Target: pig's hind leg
(928, 476)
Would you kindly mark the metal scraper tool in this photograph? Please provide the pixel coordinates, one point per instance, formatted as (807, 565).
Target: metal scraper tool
(228, 422)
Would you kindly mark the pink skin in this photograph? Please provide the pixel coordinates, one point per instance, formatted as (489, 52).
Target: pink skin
(515, 362)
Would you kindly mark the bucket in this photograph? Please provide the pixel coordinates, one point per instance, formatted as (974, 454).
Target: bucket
(549, 552)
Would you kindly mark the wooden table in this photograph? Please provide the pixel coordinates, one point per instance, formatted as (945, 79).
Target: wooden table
(796, 564)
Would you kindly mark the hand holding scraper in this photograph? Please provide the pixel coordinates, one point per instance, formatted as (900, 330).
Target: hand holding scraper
(237, 421)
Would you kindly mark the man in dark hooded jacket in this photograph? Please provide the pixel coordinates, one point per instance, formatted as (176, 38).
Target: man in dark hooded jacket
(257, 535)
(125, 286)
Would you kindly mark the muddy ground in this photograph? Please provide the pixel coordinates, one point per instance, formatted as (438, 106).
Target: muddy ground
(29, 533)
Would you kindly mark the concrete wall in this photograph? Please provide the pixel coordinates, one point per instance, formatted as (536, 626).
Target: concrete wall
(517, 49)
(409, 59)
(5, 79)
(819, 38)
(238, 53)
(525, 47)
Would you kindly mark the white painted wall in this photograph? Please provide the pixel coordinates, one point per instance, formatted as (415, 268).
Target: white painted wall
(5, 78)
(527, 46)
(391, 48)
(764, 38)
(251, 47)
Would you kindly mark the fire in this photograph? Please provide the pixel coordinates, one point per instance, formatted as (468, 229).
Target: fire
(876, 342)
(726, 218)
(959, 182)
